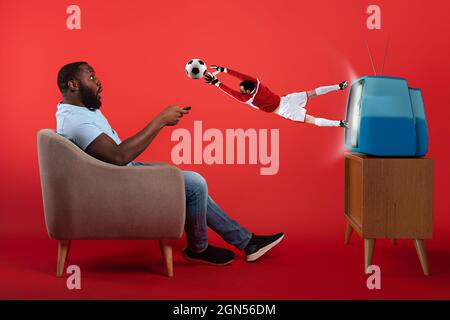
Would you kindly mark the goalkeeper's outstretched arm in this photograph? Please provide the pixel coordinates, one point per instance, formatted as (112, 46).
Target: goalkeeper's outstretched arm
(234, 73)
(212, 80)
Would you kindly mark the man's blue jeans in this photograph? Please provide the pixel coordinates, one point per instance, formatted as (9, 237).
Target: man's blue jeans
(202, 211)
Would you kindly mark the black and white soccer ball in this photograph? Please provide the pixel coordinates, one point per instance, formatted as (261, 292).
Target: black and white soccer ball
(195, 68)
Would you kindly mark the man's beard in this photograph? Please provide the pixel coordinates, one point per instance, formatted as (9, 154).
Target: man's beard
(89, 98)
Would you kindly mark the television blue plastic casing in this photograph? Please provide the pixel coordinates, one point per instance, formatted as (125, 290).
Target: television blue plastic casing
(391, 119)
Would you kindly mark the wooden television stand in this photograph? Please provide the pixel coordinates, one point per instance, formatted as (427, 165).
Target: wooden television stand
(389, 198)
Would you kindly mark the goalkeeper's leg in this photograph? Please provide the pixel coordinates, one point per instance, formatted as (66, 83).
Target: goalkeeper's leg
(322, 122)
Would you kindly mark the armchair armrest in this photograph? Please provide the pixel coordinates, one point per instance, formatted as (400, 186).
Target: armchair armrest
(103, 201)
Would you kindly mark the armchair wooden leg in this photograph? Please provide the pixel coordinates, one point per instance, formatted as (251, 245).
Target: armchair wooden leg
(369, 244)
(63, 248)
(348, 233)
(394, 242)
(422, 253)
(166, 252)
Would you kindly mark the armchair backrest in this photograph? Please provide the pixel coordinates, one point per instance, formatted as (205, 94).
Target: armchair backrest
(60, 161)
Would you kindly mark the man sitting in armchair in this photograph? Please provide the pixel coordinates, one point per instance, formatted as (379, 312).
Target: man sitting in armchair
(79, 119)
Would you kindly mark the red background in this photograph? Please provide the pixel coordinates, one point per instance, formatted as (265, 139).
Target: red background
(139, 49)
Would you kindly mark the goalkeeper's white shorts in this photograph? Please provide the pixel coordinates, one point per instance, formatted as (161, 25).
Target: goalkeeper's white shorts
(292, 106)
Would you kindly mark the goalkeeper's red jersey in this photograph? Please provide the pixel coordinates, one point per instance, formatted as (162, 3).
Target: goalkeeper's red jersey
(261, 97)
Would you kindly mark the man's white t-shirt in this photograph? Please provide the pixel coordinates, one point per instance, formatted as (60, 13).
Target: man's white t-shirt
(82, 126)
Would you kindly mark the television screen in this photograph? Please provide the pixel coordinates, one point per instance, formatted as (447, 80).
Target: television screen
(353, 113)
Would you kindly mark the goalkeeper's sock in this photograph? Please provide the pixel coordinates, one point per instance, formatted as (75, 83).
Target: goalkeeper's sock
(321, 122)
(324, 90)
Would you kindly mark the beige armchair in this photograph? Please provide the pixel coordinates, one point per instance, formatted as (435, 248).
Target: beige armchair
(85, 198)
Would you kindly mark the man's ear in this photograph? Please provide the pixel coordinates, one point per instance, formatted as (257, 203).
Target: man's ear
(73, 85)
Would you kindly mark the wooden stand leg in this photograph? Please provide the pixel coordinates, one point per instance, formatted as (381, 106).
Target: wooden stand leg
(68, 250)
(166, 252)
(369, 244)
(394, 242)
(63, 247)
(422, 253)
(348, 233)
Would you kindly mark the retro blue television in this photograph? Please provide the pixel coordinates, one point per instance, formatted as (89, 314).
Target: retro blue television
(385, 118)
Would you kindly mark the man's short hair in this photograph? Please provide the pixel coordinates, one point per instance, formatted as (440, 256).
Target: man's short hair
(68, 72)
(248, 85)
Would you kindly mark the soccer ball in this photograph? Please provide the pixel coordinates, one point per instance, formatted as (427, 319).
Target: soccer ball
(195, 68)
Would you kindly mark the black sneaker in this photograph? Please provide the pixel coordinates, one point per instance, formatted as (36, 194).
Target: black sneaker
(343, 85)
(260, 245)
(212, 255)
(343, 124)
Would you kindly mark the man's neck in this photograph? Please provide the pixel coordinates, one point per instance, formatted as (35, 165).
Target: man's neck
(74, 102)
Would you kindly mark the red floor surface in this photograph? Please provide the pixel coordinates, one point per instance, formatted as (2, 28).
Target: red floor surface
(299, 268)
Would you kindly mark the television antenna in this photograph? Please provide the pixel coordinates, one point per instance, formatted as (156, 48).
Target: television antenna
(384, 57)
(371, 59)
